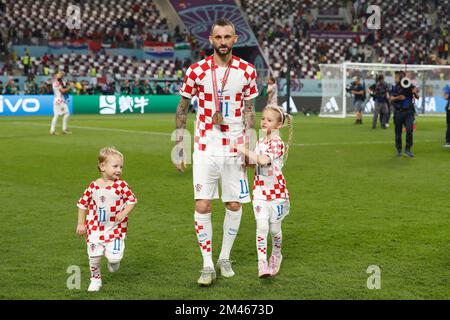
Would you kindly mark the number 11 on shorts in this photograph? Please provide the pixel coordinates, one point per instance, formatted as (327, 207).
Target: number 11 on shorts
(244, 187)
(280, 209)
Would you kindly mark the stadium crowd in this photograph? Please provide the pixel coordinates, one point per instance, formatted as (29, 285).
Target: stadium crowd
(93, 87)
(413, 31)
(117, 23)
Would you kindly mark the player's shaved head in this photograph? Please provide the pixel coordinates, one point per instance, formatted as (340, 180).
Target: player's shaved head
(223, 22)
(223, 37)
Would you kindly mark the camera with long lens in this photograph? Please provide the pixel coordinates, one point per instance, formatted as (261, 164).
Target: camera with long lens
(405, 83)
(407, 86)
(350, 87)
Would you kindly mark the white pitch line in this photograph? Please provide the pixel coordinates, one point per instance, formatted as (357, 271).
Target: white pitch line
(319, 144)
(123, 130)
(100, 129)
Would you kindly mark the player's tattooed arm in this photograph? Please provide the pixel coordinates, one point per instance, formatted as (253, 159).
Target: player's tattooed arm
(249, 114)
(181, 116)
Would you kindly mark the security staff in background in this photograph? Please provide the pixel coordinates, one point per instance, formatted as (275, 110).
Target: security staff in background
(447, 109)
(26, 62)
(402, 96)
(358, 90)
(379, 92)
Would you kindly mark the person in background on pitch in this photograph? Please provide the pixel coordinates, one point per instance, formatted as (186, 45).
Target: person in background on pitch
(270, 194)
(107, 201)
(379, 92)
(225, 86)
(272, 91)
(60, 107)
(403, 102)
(358, 90)
(388, 114)
(447, 109)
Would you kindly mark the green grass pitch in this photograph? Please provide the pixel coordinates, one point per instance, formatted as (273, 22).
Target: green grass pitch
(354, 204)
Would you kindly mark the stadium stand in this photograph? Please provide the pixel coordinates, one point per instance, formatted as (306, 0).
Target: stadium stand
(413, 31)
(116, 22)
(104, 65)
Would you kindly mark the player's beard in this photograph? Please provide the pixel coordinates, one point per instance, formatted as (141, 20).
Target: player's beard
(217, 50)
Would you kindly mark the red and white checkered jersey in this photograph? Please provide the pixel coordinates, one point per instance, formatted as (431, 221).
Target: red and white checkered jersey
(269, 182)
(241, 85)
(103, 204)
(59, 97)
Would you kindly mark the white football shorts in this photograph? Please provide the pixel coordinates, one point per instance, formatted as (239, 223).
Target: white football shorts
(112, 250)
(274, 210)
(209, 170)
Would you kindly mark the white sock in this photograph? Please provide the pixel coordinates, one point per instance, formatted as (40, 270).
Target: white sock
(231, 224)
(203, 229)
(94, 264)
(65, 120)
(277, 237)
(262, 229)
(54, 121)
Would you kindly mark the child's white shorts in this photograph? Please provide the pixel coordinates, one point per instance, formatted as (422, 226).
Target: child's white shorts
(209, 170)
(274, 210)
(112, 250)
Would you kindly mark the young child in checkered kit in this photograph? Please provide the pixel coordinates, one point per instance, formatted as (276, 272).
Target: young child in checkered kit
(270, 194)
(107, 201)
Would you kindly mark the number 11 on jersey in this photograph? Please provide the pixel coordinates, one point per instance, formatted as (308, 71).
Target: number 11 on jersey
(225, 114)
(101, 214)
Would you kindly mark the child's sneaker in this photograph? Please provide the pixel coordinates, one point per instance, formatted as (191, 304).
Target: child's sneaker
(95, 285)
(275, 263)
(113, 267)
(263, 269)
(225, 268)
(207, 276)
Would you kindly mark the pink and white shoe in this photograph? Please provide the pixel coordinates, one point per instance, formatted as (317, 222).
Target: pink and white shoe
(274, 264)
(263, 269)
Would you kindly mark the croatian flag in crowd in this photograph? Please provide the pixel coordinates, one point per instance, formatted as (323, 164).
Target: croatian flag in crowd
(79, 44)
(56, 44)
(158, 49)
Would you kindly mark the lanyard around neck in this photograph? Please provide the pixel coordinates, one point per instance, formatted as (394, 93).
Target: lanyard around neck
(214, 80)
